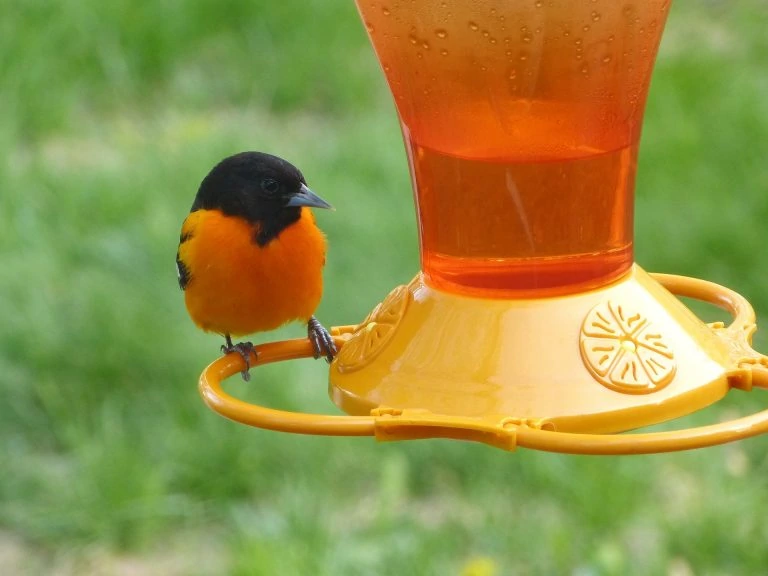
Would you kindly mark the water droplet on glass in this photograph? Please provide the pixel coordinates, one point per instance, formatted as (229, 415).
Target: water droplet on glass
(369, 27)
(595, 16)
(440, 33)
(413, 40)
(523, 56)
(492, 40)
(419, 55)
(486, 33)
(606, 59)
(611, 38)
(539, 3)
(586, 28)
(585, 69)
(474, 26)
(527, 38)
(425, 45)
(386, 11)
(443, 52)
(512, 74)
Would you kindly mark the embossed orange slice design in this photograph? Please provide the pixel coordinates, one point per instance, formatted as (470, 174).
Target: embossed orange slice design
(623, 350)
(374, 332)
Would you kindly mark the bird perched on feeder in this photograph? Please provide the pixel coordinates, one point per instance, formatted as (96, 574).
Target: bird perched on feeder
(250, 255)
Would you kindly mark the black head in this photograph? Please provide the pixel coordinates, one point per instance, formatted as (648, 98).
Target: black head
(263, 189)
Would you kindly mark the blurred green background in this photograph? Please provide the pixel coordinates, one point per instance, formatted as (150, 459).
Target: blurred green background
(110, 115)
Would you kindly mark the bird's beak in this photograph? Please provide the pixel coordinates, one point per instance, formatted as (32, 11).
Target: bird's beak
(305, 197)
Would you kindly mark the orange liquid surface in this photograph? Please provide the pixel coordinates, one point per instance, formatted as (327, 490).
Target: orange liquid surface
(521, 122)
(525, 226)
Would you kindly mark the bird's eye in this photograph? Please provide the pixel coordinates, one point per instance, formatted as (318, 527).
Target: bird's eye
(270, 186)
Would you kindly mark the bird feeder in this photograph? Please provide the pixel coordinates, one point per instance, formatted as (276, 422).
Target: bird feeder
(529, 324)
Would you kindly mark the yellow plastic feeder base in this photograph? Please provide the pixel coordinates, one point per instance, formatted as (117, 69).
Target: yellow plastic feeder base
(613, 359)
(560, 374)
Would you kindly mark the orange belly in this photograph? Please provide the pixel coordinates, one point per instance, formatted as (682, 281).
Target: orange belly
(237, 287)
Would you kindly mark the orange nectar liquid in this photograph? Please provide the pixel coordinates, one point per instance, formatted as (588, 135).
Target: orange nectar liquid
(521, 121)
(538, 227)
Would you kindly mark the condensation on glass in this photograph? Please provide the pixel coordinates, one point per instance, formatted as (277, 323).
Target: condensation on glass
(521, 122)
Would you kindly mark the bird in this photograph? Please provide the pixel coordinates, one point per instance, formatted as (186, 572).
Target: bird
(250, 255)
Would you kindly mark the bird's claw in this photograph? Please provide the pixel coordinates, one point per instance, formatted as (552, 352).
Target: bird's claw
(322, 341)
(244, 349)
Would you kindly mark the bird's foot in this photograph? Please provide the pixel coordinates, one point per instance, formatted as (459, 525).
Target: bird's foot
(322, 341)
(244, 349)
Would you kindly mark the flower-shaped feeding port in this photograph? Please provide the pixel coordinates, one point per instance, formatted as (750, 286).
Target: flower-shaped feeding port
(373, 333)
(624, 352)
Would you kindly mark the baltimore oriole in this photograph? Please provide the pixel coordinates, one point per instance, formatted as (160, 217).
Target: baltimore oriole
(250, 255)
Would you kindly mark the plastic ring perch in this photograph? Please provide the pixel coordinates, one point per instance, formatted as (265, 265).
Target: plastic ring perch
(498, 430)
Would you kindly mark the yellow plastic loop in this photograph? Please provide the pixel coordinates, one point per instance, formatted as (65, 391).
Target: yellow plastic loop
(279, 420)
(501, 431)
(738, 334)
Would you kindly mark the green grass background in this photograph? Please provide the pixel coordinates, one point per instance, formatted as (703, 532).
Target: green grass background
(110, 115)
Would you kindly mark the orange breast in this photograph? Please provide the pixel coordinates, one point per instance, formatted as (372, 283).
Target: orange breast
(237, 287)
